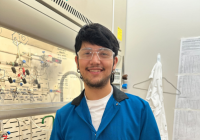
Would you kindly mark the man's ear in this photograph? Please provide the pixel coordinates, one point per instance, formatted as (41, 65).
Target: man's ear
(115, 63)
(76, 60)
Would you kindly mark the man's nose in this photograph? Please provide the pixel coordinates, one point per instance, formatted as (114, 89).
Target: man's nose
(95, 58)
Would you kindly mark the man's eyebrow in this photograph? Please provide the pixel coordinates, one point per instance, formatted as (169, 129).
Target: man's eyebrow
(87, 48)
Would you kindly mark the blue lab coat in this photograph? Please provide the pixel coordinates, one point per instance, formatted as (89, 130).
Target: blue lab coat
(126, 117)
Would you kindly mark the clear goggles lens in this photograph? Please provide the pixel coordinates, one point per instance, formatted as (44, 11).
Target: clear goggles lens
(102, 53)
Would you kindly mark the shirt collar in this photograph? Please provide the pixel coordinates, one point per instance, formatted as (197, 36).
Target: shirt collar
(117, 94)
(107, 96)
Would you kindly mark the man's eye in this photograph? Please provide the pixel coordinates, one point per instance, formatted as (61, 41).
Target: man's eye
(87, 53)
(103, 54)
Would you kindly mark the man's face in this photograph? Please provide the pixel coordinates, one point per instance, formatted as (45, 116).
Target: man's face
(96, 73)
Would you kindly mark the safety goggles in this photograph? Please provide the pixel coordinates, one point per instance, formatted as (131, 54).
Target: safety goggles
(102, 53)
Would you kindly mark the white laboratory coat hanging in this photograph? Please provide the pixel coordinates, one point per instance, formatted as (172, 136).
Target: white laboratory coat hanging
(155, 99)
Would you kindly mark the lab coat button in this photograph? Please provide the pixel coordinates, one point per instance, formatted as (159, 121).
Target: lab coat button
(95, 134)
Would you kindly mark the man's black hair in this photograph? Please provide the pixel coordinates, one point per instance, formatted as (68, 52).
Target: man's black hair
(97, 34)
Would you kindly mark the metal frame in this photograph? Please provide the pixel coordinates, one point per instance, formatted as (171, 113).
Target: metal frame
(24, 110)
(35, 20)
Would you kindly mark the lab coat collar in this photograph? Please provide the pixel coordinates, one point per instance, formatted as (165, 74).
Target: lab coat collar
(117, 94)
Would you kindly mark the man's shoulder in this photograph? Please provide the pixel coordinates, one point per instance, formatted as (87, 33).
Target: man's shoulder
(133, 99)
(65, 108)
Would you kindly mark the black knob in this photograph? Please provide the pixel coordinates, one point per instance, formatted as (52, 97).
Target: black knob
(24, 80)
(27, 72)
(13, 70)
(10, 80)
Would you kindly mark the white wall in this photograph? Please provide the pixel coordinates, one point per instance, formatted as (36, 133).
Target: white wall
(153, 27)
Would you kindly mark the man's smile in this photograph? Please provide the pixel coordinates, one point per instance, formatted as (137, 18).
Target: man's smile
(95, 70)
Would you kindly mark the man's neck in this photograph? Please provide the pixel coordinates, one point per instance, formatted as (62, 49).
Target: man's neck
(97, 93)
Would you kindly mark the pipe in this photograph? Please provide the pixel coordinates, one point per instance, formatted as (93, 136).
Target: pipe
(113, 17)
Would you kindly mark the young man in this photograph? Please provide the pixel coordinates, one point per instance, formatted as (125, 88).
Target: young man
(101, 111)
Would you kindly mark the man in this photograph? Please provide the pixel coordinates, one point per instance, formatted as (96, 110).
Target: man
(101, 111)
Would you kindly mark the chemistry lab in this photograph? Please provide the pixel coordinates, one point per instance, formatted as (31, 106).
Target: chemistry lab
(99, 70)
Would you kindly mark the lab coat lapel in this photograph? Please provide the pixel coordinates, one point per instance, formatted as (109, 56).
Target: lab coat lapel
(84, 113)
(111, 110)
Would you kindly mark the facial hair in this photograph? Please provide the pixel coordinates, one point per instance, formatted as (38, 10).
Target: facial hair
(99, 84)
